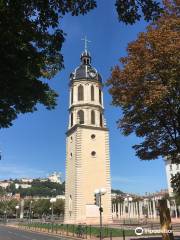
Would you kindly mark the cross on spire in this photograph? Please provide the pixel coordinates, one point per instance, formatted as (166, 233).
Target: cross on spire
(86, 41)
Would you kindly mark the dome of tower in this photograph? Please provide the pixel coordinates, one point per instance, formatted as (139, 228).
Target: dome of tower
(85, 70)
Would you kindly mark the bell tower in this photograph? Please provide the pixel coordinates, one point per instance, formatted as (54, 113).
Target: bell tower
(87, 147)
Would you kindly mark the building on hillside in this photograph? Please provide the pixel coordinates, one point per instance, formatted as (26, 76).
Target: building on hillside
(87, 147)
(171, 170)
(22, 185)
(5, 184)
(26, 180)
(163, 193)
(55, 177)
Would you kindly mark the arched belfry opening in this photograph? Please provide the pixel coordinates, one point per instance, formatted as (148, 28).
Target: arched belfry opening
(92, 93)
(93, 117)
(81, 116)
(80, 93)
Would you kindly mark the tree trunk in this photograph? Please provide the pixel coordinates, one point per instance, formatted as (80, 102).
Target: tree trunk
(165, 220)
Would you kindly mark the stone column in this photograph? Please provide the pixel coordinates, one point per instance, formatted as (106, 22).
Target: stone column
(150, 208)
(141, 209)
(22, 209)
(175, 207)
(154, 209)
(137, 215)
(119, 210)
(124, 209)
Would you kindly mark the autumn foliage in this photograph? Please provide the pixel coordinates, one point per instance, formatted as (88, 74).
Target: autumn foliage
(146, 86)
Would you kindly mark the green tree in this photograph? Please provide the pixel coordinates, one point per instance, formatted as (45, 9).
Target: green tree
(30, 45)
(41, 207)
(132, 11)
(12, 188)
(42, 189)
(147, 88)
(2, 191)
(30, 48)
(59, 207)
(10, 207)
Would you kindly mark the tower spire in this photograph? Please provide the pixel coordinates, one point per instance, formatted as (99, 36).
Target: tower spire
(86, 41)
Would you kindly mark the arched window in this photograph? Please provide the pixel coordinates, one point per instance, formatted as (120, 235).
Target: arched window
(71, 119)
(101, 120)
(72, 93)
(92, 117)
(100, 100)
(92, 93)
(80, 93)
(81, 116)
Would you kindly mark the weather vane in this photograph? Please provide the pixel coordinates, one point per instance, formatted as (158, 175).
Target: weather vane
(86, 41)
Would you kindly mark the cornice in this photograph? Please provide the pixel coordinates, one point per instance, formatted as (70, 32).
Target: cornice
(84, 105)
(85, 80)
(74, 128)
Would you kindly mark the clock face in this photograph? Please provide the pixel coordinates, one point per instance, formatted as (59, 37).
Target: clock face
(92, 74)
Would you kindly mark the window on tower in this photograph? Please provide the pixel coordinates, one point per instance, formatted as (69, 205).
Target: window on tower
(72, 96)
(81, 116)
(93, 153)
(71, 119)
(101, 120)
(92, 93)
(100, 100)
(80, 93)
(92, 117)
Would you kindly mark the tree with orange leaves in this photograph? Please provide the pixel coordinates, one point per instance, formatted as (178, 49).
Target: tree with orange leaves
(146, 86)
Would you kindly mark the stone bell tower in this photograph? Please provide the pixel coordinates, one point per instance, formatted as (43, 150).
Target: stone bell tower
(87, 147)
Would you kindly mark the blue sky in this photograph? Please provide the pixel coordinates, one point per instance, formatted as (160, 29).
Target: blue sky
(35, 144)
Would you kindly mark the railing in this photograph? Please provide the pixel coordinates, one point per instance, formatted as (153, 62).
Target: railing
(78, 231)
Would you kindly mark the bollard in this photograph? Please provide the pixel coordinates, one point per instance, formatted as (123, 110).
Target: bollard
(86, 231)
(124, 236)
(107, 232)
(111, 235)
(90, 231)
(73, 230)
(67, 229)
(52, 227)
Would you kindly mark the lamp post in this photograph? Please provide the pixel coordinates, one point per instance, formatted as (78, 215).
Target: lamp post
(98, 196)
(5, 216)
(52, 201)
(17, 208)
(129, 200)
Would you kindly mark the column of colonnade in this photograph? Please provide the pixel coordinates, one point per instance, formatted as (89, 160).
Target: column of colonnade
(147, 208)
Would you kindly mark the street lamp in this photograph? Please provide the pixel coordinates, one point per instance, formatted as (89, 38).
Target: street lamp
(98, 196)
(52, 201)
(128, 200)
(5, 216)
(17, 208)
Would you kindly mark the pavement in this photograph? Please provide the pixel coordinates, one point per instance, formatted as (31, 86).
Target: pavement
(10, 233)
(14, 233)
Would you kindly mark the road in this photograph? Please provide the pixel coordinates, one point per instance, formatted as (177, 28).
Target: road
(7, 233)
